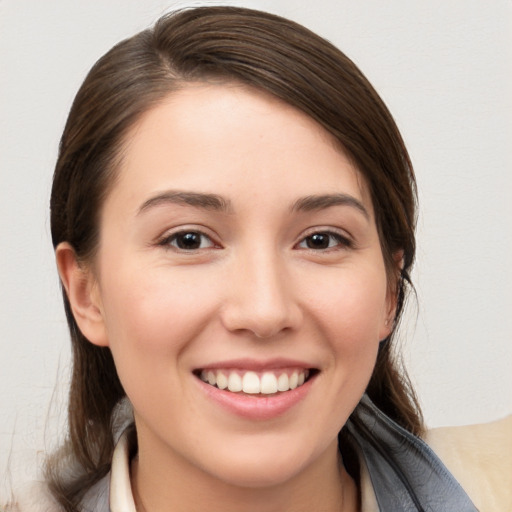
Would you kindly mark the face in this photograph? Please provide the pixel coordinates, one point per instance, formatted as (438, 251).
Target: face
(240, 286)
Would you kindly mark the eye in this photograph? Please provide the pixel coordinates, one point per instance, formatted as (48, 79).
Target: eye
(323, 240)
(188, 241)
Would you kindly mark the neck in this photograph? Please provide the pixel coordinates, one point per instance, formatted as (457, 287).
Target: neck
(325, 485)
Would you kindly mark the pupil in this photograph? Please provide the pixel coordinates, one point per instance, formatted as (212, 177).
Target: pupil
(189, 241)
(318, 241)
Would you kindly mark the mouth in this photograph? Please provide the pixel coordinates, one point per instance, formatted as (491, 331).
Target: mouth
(262, 383)
(257, 390)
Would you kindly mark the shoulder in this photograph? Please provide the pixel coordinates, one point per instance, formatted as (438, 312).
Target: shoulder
(36, 497)
(480, 458)
(33, 497)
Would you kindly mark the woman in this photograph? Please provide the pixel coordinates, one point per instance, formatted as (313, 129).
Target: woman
(233, 214)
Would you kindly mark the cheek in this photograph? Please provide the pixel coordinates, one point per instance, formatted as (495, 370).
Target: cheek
(151, 324)
(353, 306)
(151, 317)
(351, 313)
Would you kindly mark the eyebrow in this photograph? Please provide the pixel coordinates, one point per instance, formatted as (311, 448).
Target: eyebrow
(199, 200)
(320, 202)
(218, 203)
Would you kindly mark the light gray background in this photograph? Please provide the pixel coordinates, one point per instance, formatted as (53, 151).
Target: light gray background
(444, 67)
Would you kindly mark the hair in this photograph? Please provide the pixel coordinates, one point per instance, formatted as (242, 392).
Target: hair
(262, 51)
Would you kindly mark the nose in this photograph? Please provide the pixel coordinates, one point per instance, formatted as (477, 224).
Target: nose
(260, 297)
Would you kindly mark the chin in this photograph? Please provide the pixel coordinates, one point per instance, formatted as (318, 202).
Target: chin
(256, 475)
(256, 467)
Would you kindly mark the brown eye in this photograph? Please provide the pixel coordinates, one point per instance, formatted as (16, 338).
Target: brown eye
(324, 240)
(188, 241)
(318, 241)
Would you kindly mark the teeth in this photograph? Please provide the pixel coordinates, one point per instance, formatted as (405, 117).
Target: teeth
(234, 382)
(283, 383)
(268, 383)
(253, 383)
(294, 380)
(222, 381)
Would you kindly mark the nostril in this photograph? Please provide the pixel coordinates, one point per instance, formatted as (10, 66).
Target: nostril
(265, 333)
(261, 307)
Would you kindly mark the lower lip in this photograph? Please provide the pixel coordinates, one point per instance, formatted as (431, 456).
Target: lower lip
(257, 407)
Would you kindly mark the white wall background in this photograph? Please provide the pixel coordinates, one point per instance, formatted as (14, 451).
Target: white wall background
(445, 70)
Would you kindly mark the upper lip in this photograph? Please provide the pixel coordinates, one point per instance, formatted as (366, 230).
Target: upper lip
(256, 365)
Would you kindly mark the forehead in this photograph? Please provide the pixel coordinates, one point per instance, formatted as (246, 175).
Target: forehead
(214, 137)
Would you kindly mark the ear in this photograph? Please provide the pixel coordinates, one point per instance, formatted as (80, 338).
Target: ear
(83, 295)
(392, 294)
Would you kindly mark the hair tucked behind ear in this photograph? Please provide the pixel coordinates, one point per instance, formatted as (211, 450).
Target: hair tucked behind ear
(233, 44)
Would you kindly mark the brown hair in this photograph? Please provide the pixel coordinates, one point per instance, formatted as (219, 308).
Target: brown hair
(263, 51)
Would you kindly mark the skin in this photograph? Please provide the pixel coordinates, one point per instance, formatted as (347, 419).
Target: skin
(254, 288)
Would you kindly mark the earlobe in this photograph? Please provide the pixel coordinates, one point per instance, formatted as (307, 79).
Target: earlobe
(82, 292)
(386, 328)
(389, 320)
(393, 291)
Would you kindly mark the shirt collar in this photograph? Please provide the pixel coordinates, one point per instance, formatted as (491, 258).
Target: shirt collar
(121, 495)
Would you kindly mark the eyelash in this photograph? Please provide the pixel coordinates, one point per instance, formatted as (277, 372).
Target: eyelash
(167, 241)
(340, 241)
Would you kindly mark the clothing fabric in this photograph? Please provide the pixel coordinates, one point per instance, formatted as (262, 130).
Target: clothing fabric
(469, 471)
(406, 475)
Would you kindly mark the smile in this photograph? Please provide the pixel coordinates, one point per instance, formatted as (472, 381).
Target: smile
(254, 383)
(254, 390)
